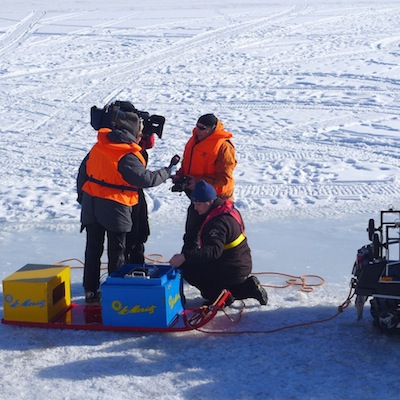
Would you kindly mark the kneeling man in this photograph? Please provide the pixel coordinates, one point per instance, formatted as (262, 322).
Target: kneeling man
(222, 257)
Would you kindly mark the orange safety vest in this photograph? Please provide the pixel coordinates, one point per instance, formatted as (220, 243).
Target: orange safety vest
(104, 179)
(227, 208)
(199, 157)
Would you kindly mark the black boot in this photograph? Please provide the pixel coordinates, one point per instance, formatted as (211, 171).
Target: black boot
(251, 288)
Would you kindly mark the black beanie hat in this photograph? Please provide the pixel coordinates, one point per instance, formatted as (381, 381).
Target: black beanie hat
(209, 120)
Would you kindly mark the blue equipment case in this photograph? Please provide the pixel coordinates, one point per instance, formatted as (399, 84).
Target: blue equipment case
(142, 296)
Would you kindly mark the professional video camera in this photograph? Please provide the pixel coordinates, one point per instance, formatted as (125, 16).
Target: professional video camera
(105, 117)
(180, 185)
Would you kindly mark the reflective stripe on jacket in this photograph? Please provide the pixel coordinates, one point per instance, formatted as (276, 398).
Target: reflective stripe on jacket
(227, 208)
(105, 181)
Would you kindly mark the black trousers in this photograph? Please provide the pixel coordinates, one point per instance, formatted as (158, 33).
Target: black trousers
(210, 285)
(95, 234)
(134, 251)
(137, 237)
(209, 288)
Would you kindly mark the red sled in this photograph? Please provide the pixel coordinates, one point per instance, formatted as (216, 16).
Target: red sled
(88, 317)
(134, 298)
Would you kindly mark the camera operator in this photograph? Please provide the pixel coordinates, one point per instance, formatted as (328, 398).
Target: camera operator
(209, 155)
(107, 185)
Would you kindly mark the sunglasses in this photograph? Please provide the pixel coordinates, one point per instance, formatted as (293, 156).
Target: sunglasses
(201, 127)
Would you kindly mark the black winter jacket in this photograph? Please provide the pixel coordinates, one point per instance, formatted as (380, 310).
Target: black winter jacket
(231, 266)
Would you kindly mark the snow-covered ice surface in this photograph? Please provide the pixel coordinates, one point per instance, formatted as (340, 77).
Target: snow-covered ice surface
(311, 92)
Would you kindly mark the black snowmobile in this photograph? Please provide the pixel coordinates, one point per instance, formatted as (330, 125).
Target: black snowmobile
(376, 272)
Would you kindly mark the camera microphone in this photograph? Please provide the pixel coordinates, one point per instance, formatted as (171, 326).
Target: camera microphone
(174, 160)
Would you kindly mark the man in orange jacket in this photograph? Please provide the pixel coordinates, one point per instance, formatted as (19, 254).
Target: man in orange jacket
(209, 155)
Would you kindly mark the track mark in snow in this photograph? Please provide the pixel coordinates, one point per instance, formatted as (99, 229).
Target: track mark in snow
(17, 33)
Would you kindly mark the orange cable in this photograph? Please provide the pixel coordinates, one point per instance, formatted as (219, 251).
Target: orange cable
(295, 281)
(341, 308)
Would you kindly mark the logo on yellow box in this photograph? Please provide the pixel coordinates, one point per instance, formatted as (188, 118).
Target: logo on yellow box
(18, 303)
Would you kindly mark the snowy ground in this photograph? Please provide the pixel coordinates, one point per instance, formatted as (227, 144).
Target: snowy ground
(311, 93)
